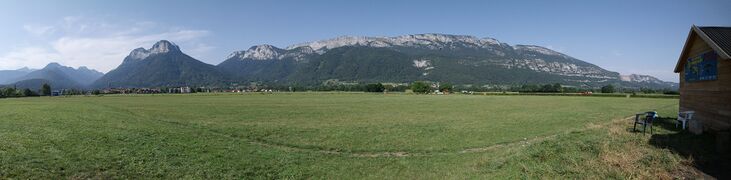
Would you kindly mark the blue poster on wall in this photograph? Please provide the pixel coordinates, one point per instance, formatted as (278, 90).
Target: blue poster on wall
(703, 67)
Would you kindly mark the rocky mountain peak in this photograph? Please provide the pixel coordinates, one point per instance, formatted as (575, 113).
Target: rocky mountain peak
(139, 54)
(429, 40)
(25, 69)
(258, 52)
(52, 65)
(162, 46)
(639, 78)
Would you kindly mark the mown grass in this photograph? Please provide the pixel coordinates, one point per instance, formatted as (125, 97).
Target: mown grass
(310, 135)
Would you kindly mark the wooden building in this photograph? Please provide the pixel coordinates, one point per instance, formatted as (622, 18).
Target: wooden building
(704, 67)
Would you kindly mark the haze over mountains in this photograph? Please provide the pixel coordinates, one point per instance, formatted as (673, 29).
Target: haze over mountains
(58, 76)
(456, 59)
(8, 76)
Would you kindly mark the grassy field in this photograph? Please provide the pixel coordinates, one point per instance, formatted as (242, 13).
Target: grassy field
(322, 135)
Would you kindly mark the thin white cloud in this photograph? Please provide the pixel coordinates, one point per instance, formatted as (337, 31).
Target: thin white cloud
(39, 30)
(24, 56)
(617, 53)
(98, 44)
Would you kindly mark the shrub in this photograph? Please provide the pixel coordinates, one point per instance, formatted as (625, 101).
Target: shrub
(374, 87)
(446, 87)
(28, 92)
(608, 89)
(420, 87)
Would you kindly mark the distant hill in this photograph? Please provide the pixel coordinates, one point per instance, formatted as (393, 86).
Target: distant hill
(58, 76)
(82, 76)
(36, 84)
(162, 65)
(7, 76)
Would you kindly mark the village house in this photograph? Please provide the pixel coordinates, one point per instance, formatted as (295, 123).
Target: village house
(704, 69)
(185, 89)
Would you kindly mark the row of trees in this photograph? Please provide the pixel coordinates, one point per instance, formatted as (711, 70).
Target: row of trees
(539, 88)
(26, 92)
(12, 92)
(416, 87)
(558, 88)
(426, 87)
(378, 87)
(375, 87)
(611, 89)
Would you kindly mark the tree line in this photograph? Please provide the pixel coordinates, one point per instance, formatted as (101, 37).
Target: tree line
(420, 87)
(26, 92)
(427, 87)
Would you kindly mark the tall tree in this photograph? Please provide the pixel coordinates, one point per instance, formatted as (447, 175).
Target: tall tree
(420, 87)
(608, 89)
(28, 92)
(378, 87)
(557, 87)
(46, 89)
(10, 92)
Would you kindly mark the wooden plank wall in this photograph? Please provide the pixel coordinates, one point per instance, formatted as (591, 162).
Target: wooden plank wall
(711, 100)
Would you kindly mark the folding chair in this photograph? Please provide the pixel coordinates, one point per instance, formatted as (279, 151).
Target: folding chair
(684, 117)
(647, 121)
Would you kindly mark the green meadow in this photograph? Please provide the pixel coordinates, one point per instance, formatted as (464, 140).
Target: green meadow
(331, 136)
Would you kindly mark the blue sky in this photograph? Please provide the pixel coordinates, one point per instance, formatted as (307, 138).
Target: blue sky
(643, 37)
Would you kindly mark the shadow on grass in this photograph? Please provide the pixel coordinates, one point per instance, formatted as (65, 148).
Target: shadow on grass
(700, 148)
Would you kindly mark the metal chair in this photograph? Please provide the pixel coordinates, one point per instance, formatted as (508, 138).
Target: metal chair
(684, 117)
(647, 121)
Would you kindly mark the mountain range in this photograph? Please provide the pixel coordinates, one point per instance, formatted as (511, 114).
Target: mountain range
(457, 59)
(8, 76)
(56, 75)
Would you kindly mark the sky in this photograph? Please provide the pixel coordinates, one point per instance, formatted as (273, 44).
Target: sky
(626, 36)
